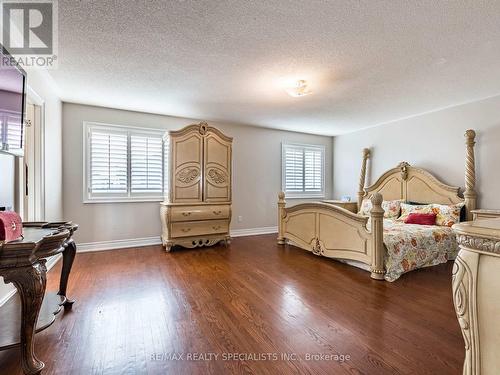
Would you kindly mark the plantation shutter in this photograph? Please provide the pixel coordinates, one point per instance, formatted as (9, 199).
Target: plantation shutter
(303, 170)
(108, 162)
(14, 131)
(123, 163)
(313, 170)
(294, 169)
(146, 164)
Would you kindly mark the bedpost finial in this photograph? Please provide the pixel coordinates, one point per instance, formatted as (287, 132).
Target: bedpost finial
(366, 153)
(377, 199)
(281, 195)
(470, 136)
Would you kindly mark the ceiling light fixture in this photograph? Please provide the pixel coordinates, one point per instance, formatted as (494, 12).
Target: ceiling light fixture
(299, 88)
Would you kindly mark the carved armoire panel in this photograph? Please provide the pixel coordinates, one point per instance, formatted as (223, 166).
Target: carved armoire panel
(217, 168)
(187, 173)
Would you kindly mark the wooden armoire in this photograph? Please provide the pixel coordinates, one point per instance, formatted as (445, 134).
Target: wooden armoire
(197, 207)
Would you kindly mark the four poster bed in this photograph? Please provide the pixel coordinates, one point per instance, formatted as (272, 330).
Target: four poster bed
(387, 247)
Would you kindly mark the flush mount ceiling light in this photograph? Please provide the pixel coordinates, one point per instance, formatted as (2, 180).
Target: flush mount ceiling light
(299, 88)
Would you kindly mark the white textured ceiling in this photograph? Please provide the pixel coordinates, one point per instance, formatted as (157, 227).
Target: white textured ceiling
(368, 62)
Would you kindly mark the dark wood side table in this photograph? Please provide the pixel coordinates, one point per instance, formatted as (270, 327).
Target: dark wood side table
(22, 263)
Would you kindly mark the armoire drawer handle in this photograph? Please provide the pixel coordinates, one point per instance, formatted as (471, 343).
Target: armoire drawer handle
(186, 213)
(185, 230)
(216, 227)
(217, 212)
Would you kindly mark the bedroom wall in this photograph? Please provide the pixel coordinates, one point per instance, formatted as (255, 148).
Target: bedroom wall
(256, 175)
(433, 141)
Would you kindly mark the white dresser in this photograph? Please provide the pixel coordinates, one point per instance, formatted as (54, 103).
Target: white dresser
(197, 207)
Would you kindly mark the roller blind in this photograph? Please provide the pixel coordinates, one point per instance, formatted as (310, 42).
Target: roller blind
(123, 163)
(303, 170)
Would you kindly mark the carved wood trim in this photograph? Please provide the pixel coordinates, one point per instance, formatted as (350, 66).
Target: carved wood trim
(324, 206)
(464, 299)
(377, 230)
(406, 173)
(470, 194)
(203, 128)
(488, 245)
(30, 282)
(362, 177)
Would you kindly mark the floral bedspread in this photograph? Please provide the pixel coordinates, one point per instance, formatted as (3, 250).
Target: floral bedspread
(412, 246)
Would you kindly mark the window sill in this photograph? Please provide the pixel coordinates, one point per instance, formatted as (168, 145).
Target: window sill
(122, 200)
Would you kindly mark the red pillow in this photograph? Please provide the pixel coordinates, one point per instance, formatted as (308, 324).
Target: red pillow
(421, 219)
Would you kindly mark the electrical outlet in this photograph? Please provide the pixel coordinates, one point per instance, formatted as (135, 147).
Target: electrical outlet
(240, 219)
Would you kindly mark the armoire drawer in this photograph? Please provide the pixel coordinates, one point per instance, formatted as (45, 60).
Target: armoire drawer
(198, 228)
(191, 213)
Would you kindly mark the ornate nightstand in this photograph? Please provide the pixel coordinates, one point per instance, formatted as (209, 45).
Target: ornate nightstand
(485, 214)
(476, 287)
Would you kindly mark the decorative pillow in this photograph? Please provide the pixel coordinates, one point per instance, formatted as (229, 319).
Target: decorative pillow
(407, 209)
(391, 208)
(447, 215)
(421, 219)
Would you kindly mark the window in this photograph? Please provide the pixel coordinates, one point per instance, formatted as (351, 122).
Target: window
(11, 132)
(303, 168)
(122, 163)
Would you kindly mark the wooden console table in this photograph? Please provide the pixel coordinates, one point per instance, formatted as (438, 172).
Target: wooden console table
(22, 262)
(476, 294)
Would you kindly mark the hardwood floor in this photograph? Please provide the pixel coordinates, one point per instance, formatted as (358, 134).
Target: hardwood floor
(138, 308)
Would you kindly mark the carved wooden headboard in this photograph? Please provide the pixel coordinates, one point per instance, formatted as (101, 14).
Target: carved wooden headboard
(413, 184)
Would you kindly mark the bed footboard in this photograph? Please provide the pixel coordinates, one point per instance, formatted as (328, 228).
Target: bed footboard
(334, 232)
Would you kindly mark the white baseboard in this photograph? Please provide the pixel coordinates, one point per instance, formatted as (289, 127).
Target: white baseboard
(117, 244)
(50, 263)
(151, 241)
(253, 231)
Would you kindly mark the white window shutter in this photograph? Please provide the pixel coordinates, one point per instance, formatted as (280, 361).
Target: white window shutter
(108, 162)
(146, 163)
(294, 169)
(303, 170)
(313, 171)
(123, 163)
(14, 132)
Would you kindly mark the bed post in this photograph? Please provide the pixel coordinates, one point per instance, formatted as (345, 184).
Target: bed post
(470, 174)
(378, 249)
(362, 177)
(281, 214)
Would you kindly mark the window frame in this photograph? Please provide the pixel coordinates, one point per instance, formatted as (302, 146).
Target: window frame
(129, 196)
(303, 194)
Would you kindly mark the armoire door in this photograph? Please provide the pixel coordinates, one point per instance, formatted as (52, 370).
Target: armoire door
(217, 159)
(187, 172)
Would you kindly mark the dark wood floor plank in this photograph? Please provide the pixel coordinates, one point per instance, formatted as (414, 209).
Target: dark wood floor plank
(137, 308)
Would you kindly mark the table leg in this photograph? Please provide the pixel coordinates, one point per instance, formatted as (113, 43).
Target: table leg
(68, 258)
(30, 282)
